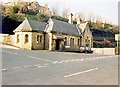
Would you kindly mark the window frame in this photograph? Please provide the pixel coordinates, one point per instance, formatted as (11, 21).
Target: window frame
(37, 38)
(18, 38)
(26, 38)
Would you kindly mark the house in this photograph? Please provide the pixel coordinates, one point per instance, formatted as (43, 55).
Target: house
(87, 38)
(53, 35)
(59, 34)
(30, 34)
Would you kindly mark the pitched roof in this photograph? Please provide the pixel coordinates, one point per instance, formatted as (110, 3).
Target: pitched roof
(64, 27)
(31, 25)
(58, 26)
(82, 27)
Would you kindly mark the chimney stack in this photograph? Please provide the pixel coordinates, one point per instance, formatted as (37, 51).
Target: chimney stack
(70, 18)
(78, 20)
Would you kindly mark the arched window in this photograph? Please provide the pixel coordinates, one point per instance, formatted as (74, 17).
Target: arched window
(71, 41)
(80, 41)
(38, 38)
(26, 38)
(18, 40)
(65, 41)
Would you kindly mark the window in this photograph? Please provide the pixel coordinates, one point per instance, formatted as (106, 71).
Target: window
(65, 41)
(38, 38)
(26, 38)
(87, 37)
(18, 40)
(71, 41)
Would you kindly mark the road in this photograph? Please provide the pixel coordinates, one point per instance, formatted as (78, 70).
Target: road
(24, 67)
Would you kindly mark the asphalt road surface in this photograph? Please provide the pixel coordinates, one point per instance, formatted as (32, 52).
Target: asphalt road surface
(23, 67)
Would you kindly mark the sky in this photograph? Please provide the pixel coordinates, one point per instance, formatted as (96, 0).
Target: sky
(107, 10)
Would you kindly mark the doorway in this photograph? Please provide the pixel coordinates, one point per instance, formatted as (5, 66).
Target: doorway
(57, 44)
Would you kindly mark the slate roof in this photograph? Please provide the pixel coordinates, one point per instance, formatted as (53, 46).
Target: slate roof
(99, 35)
(64, 27)
(59, 26)
(31, 25)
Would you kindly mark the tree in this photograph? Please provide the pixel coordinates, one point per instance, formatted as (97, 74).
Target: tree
(65, 13)
(15, 9)
(55, 12)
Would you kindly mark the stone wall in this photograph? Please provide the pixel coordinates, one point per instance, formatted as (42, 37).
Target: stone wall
(75, 40)
(7, 39)
(37, 41)
(46, 41)
(104, 51)
(21, 43)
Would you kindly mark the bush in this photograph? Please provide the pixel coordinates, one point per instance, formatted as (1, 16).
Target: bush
(102, 45)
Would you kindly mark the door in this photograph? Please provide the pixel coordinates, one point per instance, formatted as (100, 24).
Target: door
(57, 44)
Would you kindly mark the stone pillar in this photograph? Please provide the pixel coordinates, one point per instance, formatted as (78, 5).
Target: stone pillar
(50, 41)
(78, 20)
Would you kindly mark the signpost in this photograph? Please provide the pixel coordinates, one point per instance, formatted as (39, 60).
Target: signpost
(117, 38)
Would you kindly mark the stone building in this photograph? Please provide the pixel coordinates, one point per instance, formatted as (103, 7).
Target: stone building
(53, 35)
(30, 35)
(59, 34)
(87, 38)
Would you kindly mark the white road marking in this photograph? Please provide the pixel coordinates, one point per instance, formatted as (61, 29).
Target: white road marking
(40, 59)
(77, 60)
(55, 62)
(81, 59)
(27, 66)
(80, 72)
(37, 65)
(40, 66)
(9, 52)
(60, 62)
(16, 67)
(4, 70)
(47, 64)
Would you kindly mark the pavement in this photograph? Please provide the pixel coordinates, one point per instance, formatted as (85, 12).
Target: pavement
(8, 46)
(24, 67)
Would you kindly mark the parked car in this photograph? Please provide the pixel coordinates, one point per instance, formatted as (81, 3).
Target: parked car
(71, 49)
(84, 49)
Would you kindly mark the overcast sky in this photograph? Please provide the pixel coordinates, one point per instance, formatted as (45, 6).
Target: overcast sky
(106, 9)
